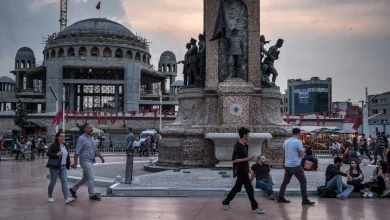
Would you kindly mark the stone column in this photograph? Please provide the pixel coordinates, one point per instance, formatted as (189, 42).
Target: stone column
(116, 97)
(72, 96)
(210, 16)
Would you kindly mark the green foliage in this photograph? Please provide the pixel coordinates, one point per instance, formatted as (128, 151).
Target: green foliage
(20, 115)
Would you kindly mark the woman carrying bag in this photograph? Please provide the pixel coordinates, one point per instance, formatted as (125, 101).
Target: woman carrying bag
(59, 164)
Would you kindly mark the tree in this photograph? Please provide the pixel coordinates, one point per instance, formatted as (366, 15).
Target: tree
(20, 115)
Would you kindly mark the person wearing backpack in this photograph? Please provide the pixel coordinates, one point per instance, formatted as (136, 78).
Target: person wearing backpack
(309, 161)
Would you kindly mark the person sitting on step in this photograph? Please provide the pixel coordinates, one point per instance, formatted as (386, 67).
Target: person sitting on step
(261, 171)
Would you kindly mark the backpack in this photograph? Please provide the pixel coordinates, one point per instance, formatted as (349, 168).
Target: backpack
(308, 165)
(353, 154)
(325, 192)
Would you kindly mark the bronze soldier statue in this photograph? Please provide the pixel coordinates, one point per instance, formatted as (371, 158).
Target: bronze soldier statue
(186, 64)
(236, 48)
(193, 72)
(269, 68)
(202, 58)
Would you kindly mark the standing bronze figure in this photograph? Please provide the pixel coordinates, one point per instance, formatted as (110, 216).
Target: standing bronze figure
(193, 72)
(186, 64)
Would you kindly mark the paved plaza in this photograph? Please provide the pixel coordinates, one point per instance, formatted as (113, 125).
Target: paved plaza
(23, 195)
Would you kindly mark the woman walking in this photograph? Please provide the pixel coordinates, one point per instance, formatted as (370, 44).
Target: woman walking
(357, 179)
(58, 150)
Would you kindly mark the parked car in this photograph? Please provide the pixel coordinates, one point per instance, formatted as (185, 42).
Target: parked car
(152, 133)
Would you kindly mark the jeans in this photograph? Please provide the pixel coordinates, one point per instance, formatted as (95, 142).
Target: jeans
(337, 183)
(242, 179)
(299, 174)
(88, 176)
(379, 151)
(54, 173)
(265, 185)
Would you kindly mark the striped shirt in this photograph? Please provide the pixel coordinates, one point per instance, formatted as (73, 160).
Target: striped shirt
(86, 149)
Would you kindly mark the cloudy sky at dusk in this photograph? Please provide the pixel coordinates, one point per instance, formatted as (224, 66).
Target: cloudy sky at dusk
(348, 40)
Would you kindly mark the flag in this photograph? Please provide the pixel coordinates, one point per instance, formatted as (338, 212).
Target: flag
(98, 6)
(123, 117)
(219, 30)
(155, 112)
(318, 118)
(324, 114)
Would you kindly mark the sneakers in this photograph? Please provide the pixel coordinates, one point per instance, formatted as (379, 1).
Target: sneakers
(370, 195)
(283, 200)
(307, 202)
(364, 195)
(340, 197)
(227, 207)
(258, 211)
(73, 193)
(51, 200)
(95, 197)
(273, 196)
(69, 200)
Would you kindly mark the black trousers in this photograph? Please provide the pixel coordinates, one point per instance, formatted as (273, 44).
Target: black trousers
(366, 152)
(242, 179)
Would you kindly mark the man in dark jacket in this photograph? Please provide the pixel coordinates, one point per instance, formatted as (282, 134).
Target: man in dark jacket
(334, 180)
(241, 171)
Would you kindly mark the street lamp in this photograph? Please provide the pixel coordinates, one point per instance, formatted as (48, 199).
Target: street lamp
(55, 96)
(160, 94)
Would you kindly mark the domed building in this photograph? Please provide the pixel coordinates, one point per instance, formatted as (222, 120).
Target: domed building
(99, 64)
(168, 65)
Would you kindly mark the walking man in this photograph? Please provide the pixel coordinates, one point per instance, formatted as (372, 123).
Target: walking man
(129, 140)
(86, 150)
(380, 147)
(293, 151)
(241, 171)
(364, 145)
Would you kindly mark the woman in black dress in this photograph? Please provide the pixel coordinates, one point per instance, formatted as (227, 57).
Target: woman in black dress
(357, 179)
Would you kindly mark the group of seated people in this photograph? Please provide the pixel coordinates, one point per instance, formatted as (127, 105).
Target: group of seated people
(379, 182)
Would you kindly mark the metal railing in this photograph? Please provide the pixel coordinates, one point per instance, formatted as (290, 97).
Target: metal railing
(329, 152)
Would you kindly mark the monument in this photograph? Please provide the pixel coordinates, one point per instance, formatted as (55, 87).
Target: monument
(209, 116)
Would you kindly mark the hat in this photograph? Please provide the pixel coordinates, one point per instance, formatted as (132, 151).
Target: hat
(193, 40)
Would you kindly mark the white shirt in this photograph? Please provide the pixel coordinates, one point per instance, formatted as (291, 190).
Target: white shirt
(336, 146)
(64, 155)
(137, 143)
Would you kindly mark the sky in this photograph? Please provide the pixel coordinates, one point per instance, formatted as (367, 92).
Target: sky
(347, 40)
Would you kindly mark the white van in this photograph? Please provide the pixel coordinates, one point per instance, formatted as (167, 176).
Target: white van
(143, 135)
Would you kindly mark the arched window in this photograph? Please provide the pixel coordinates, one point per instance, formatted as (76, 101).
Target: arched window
(95, 52)
(61, 53)
(144, 58)
(118, 53)
(163, 68)
(47, 55)
(17, 64)
(107, 52)
(22, 64)
(82, 52)
(174, 68)
(29, 64)
(71, 52)
(129, 55)
(53, 54)
(138, 56)
(168, 67)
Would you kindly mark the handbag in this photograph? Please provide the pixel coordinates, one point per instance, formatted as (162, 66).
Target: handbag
(54, 162)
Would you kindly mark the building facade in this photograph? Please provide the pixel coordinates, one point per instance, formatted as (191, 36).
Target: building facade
(96, 65)
(309, 96)
(379, 112)
(284, 103)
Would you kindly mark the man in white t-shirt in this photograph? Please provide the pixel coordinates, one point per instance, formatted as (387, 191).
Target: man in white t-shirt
(293, 152)
(335, 148)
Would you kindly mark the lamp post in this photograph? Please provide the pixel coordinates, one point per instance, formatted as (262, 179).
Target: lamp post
(55, 96)
(160, 94)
